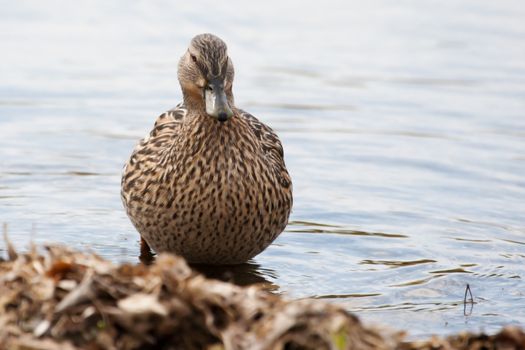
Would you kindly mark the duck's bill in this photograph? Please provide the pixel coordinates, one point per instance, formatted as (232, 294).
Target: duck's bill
(216, 102)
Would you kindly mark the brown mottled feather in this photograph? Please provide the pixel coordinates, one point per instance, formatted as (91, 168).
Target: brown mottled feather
(212, 192)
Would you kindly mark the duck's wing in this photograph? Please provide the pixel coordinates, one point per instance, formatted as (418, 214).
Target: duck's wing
(166, 126)
(174, 115)
(271, 146)
(147, 158)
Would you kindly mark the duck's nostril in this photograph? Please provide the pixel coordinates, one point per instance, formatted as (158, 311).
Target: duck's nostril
(222, 117)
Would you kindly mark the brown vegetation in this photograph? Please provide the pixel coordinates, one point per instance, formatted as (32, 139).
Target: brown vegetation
(64, 299)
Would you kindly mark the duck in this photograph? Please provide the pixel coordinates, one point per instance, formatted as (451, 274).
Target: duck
(209, 182)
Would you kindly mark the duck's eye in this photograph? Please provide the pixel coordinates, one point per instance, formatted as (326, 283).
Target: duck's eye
(193, 58)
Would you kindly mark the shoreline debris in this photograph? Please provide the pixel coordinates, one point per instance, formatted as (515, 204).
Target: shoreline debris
(65, 299)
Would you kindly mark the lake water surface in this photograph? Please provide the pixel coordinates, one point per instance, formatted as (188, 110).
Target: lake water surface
(403, 125)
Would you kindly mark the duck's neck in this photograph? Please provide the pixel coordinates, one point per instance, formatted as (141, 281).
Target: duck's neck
(194, 103)
(198, 122)
(203, 135)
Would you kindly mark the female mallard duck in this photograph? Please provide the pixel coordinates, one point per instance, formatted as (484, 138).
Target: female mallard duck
(209, 182)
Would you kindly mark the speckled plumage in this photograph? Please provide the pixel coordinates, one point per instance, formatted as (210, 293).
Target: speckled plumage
(211, 191)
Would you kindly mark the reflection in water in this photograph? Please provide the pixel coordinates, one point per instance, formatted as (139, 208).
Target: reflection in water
(345, 296)
(394, 264)
(455, 270)
(310, 227)
(242, 275)
(469, 301)
(414, 282)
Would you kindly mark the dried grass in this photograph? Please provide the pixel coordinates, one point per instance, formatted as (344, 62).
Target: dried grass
(65, 299)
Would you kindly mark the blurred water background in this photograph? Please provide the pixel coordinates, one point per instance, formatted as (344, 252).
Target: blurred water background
(403, 125)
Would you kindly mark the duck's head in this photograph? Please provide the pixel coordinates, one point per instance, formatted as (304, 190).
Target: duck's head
(206, 76)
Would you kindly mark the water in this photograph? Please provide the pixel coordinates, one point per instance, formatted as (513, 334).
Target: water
(403, 127)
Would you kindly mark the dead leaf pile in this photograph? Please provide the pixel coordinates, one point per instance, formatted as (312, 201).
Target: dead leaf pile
(65, 299)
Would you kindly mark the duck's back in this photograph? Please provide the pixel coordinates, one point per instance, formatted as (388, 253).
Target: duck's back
(211, 192)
